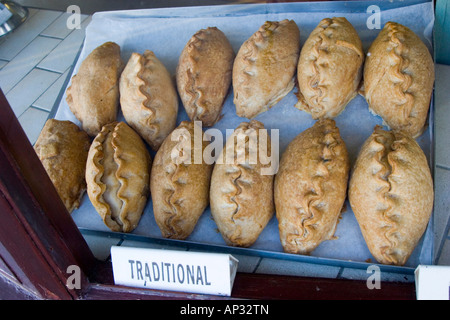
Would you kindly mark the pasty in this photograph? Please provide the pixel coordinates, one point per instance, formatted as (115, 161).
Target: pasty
(398, 79)
(204, 74)
(63, 149)
(391, 194)
(148, 98)
(311, 187)
(241, 192)
(179, 181)
(265, 66)
(329, 68)
(93, 96)
(117, 176)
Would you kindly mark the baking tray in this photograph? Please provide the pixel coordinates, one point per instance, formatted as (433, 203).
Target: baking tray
(166, 31)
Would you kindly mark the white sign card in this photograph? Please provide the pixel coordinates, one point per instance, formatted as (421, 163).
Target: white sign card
(432, 282)
(186, 271)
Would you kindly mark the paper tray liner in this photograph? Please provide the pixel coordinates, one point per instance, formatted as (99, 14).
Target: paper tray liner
(166, 31)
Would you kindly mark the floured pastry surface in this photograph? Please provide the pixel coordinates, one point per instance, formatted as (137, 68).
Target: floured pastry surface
(204, 74)
(399, 78)
(180, 181)
(311, 187)
(63, 149)
(148, 98)
(391, 194)
(329, 68)
(265, 66)
(93, 96)
(241, 193)
(117, 176)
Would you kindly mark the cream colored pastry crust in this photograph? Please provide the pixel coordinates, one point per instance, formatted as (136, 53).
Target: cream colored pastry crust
(264, 67)
(118, 175)
(330, 68)
(179, 184)
(204, 74)
(391, 194)
(63, 149)
(399, 78)
(93, 96)
(311, 187)
(148, 98)
(241, 193)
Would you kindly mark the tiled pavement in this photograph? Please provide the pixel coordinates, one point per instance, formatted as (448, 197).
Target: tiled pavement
(35, 62)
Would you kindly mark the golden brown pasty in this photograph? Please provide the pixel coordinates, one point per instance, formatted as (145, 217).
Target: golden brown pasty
(93, 96)
(311, 187)
(265, 66)
(241, 194)
(330, 68)
(148, 98)
(118, 175)
(398, 78)
(179, 182)
(204, 74)
(391, 194)
(63, 149)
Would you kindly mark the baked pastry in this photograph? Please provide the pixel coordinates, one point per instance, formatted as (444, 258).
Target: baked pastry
(399, 78)
(391, 194)
(63, 149)
(241, 194)
(264, 67)
(117, 176)
(329, 68)
(204, 74)
(311, 187)
(179, 182)
(148, 98)
(93, 96)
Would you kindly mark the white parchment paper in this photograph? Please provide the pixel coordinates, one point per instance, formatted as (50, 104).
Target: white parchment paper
(166, 31)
